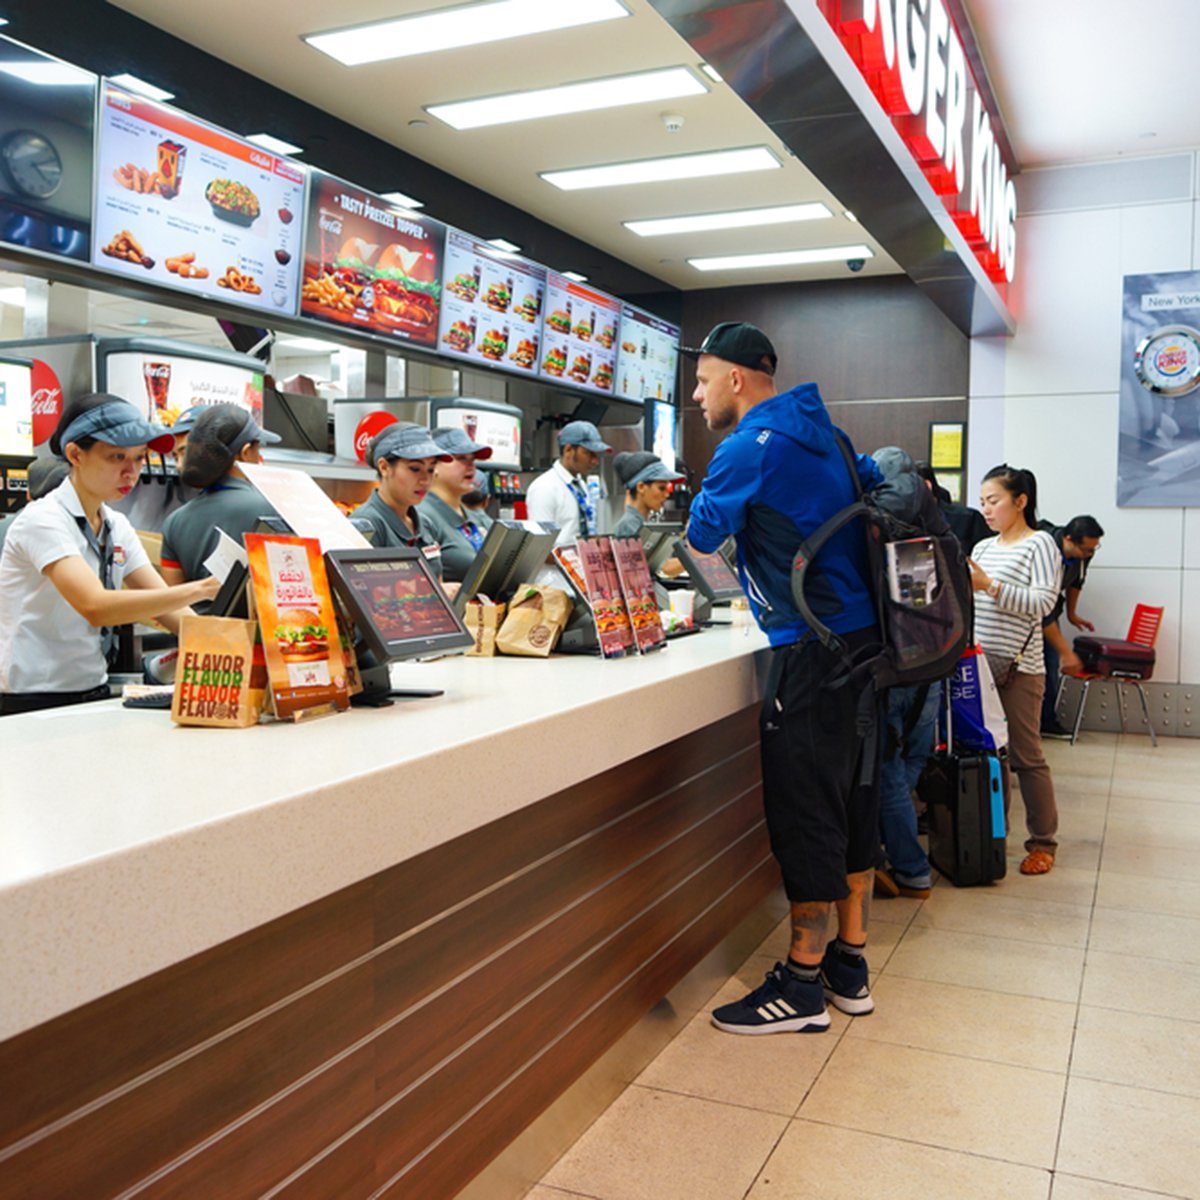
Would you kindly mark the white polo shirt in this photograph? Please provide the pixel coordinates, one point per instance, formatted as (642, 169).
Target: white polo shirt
(550, 498)
(45, 645)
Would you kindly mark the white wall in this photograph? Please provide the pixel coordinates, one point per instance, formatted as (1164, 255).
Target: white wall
(1047, 398)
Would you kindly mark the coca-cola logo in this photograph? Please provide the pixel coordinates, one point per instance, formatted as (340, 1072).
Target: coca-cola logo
(47, 401)
(157, 371)
(373, 423)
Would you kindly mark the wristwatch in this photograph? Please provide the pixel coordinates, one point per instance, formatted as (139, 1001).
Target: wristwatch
(993, 589)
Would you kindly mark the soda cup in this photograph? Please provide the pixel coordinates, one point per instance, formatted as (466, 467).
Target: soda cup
(157, 377)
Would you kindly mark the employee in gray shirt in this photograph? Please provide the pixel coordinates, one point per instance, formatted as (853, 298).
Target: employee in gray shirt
(459, 530)
(647, 481)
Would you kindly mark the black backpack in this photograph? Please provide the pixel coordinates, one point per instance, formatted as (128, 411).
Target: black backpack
(924, 630)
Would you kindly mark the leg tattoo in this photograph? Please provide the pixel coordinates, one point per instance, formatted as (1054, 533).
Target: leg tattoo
(854, 912)
(809, 922)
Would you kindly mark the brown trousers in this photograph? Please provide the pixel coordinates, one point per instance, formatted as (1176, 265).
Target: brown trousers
(1022, 700)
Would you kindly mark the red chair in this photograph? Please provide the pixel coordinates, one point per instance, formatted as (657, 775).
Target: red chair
(1124, 662)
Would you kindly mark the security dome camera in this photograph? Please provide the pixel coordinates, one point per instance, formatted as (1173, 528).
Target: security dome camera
(856, 264)
(673, 122)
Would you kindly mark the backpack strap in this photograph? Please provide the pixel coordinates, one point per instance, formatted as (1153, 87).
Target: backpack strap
(803, 559)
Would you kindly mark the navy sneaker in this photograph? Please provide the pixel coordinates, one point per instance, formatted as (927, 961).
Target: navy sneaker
(782, 1004)
(844, 977)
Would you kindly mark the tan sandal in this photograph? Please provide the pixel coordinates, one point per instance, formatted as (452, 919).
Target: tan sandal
(1037, 862)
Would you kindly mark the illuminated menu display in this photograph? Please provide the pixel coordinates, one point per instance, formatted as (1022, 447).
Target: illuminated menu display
(491, 305)
(579, 335)
(185, 205)
(648, 363)
(370, 265)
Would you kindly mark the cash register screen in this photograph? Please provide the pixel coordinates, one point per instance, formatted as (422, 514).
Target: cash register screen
(711, 573)
(396, 603)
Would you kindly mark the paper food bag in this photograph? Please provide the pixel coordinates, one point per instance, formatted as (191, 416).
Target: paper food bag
(216, 679)
(483, 619)
(536, 617)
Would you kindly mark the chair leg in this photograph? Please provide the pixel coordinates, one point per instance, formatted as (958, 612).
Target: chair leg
(1083, 695)
(1146, 713)
(1062, 683)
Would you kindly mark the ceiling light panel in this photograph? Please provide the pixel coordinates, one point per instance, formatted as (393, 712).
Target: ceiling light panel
(588, 96)
(574, 276)
(46, 74)
(131, 83)
(658, 170)
(781, 258)
(468, 25)
(402, 199)
(275, 145)
(743, 218)
(504, 245)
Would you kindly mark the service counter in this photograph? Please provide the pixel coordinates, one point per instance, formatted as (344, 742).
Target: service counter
(358, 954)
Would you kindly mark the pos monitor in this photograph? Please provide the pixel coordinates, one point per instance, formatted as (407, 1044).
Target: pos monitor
(399, 610)
(512, 553)
(711, 573)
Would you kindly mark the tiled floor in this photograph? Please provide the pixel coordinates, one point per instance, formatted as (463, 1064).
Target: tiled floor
(1039, 1040)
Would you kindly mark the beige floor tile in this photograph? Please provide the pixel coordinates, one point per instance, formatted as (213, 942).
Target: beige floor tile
(1139, 808)
(1019, 1030)
(1141, 893)
(1146, 935)
(993, 913)
(1158, 861)
(771, 1073)
(1131, 1136)
(1066, 885)
(1162, 989)
(542, 1192)
(1134, 784)
(959, 1104)
(1072, 1187)
(653, 1145)
(819, 1162)
(1149, 1052)
(993, 964)
(1165, 832)
(1079, 805)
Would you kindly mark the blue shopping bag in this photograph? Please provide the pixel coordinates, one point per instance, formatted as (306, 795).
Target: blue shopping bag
(978, 716)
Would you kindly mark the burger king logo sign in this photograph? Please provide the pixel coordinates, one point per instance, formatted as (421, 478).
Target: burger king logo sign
(1168, 362)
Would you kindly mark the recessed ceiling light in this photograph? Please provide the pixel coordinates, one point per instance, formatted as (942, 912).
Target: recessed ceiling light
(131, 83)
(46, 74)
(588, 96)
(712, 72)
(574, 276)
(850, 216)
(274, 144)
(400, 198)
(781, 258)
(741, 219)
(504, 244)
(463, 25)
(656, 170)
(3, 20)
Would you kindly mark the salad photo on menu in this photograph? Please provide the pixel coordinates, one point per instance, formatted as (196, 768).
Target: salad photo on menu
(491, 304)
(371, 265)
(579, 334)
(186, 205)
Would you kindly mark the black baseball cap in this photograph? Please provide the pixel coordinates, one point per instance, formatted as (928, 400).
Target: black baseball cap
(737, 342)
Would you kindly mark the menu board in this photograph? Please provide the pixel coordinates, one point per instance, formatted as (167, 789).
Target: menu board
(16, 409)
(613, 626)
(637, 586)
(186, 205)
(47, 125)
(579, 334)
(491, 305)
(164, 386)
(371, 265)
(648, 364)
(663, 432)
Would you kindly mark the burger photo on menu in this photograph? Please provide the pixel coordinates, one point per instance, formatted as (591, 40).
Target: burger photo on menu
(556, 361)
(581, 368)
(584, 327)
(525, 355)
(494, 344)
(460, 336)
(465, 287)
(405, 290)
(559, 321)
(301, 636)
(529, 308)
(498, 296)
(603, 377)
(606, 337)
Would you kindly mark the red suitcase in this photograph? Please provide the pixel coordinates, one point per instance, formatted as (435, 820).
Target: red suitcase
(1120, 660)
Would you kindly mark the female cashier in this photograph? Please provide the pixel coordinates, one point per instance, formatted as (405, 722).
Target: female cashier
(647, 482)
(459, 530)
(403, 457)
(222, 437)
(69, 555)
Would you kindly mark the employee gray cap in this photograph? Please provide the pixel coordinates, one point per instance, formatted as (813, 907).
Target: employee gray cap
(187, 420)
(455, 441)
(117, 423)
(644, 467)
(585, 434)
(408, 442)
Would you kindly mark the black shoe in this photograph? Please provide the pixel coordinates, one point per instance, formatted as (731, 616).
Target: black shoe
(846, 983)
(781, 1004)
(1056, 731)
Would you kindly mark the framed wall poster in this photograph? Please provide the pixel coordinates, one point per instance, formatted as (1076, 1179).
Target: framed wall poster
(947, 443)
(952, 481)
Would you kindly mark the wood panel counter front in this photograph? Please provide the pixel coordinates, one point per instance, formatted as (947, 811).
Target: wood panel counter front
(356, 957)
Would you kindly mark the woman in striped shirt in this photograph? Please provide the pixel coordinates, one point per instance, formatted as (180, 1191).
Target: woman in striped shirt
(1017, 576)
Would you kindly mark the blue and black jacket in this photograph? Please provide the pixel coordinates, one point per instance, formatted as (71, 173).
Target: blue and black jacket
(773, 481)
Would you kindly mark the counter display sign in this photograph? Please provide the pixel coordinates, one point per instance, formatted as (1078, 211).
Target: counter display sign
(16, 408)
(648, 363)
(305, 669)
(183, 204)
(491, 305)
(613, 626)
(637, 586)
(579, 334)
(165, 386)
(370, 265)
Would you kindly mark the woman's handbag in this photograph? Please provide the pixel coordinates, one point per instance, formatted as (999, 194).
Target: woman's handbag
(1007, 674)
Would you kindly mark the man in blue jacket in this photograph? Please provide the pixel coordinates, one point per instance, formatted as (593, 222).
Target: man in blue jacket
(778, 476)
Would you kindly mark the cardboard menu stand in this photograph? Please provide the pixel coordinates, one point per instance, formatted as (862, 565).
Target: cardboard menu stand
(613, 626)
(306, 673)
(637, 585)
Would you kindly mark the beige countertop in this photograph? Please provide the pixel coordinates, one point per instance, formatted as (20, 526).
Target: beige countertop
(128, 844)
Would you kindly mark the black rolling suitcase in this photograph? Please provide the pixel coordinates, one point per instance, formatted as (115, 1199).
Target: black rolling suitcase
(964, 794)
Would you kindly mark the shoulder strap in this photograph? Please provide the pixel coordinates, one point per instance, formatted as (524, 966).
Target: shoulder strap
(914, 715)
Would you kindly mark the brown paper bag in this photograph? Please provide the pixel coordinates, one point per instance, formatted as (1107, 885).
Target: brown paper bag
(483, 619)
(536, 617)
(217, 681)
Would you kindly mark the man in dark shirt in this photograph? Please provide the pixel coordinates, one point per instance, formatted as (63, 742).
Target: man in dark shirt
(1078, 541)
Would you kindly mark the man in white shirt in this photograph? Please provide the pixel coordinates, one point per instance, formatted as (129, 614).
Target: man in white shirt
(560, 494)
